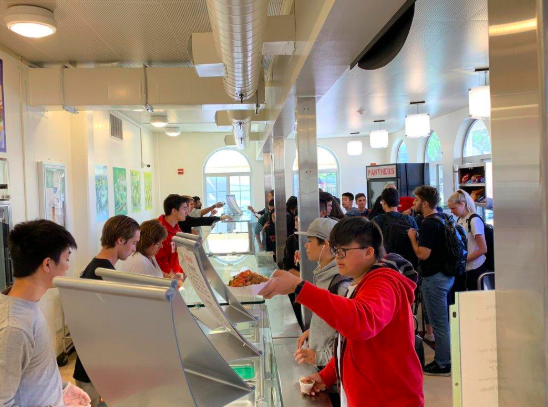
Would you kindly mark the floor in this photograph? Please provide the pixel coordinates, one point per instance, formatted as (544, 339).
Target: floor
(437, 390)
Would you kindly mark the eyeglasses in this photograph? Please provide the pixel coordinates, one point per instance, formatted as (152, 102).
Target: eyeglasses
(341, 253)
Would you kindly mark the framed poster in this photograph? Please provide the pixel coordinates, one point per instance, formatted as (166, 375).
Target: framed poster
(148, 191)
(2, 112)
(52, 183)
(120, 190)
(135, 191)
(101, 193)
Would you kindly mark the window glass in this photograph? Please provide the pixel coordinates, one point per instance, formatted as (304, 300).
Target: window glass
(433, 149)
(403, 156)
(477, 141)
(328, 172)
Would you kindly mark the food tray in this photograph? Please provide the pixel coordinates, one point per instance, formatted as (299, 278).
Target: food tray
(248, 291)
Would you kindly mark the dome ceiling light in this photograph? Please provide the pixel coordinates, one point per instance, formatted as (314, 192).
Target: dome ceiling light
(159, 120)
(30, 21)
(173, 131)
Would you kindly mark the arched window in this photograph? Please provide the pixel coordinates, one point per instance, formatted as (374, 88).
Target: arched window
(328, 172)
(433, 156)
(403, 156)
(227, 172)
(477, 143)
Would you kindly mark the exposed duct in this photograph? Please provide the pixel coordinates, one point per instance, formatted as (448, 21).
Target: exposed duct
(238, 30)
(241, 122)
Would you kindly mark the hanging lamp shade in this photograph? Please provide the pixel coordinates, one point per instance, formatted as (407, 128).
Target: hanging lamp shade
(417, 125)
(479, 102)
(354, 148)
(378, 139)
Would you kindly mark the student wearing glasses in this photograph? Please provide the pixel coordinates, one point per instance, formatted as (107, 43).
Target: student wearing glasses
(374, 357)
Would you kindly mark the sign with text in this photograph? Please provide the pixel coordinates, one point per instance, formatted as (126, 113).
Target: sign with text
(381, 171)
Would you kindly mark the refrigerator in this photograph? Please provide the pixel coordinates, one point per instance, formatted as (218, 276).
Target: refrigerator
(6, 272)
(406, 177)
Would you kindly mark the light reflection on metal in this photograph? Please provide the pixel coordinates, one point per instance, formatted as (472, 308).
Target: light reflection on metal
(513, 28)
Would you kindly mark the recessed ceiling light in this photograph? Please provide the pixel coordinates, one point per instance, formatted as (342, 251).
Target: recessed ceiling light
(30, 21)
(173, 131)
(159, 120)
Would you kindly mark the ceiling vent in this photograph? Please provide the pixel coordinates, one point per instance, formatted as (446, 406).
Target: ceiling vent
(116, 130)
(389, 41)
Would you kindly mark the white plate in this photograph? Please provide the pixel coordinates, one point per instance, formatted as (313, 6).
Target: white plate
(249, 291)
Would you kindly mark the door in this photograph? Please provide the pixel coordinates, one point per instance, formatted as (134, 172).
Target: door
(375, 188)
(6, 277)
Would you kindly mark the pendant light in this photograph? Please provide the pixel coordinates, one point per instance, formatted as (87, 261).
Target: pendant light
(30, 21)
(354, 147)
(479, 98)
(417, 125)
(378, 138)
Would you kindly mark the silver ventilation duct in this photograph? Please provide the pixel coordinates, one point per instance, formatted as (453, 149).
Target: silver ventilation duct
(238, 30)
(241, 122)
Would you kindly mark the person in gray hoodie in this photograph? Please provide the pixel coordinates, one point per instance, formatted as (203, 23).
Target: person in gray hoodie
(320, 335)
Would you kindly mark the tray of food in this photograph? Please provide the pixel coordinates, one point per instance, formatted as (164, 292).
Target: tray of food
(247, 283)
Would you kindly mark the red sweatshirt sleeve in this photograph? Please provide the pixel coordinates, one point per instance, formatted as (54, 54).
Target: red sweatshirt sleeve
(360, 318)
(162, 257)
(329, 373)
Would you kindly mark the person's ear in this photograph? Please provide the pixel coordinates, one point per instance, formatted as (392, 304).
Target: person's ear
(326, 244)
(369, 253)
(46, 263)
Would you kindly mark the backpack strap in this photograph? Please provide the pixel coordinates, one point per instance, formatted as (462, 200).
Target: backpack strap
(469, 221)
(335, 282)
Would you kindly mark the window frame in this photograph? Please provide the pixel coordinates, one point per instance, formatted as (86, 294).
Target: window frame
(337, 172)
(438, 164)
(474, 159)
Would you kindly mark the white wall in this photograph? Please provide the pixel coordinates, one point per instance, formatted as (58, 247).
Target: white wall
(351, 167)
(190, 151)
(451, 130)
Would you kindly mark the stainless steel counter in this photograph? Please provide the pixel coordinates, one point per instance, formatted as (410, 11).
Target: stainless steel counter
(289, 373)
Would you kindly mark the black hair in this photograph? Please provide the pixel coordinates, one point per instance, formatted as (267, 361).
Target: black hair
(30, 243)
(349, 195)
(359, 230)
(429, 195)
(174, 201)
(195, 198)
(323, 205)
(391, 197)
(271, 202)
(360, 195)
(319, 239)
(326, 196)
(291, 203)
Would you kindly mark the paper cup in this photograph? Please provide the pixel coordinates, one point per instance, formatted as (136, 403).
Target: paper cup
(306, 388)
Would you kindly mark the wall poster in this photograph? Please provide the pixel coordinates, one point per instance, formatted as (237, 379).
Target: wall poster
(52, 178)
(101, 193)
(120, 190)
(148, 191)
(2, 112)
(135, 191)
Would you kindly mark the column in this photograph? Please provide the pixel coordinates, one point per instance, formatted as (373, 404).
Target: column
(278, 156)
(309, 208)
(518, 57)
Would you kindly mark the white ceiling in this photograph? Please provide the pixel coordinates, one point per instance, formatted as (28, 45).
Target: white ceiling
(125, 32)
(448, 40)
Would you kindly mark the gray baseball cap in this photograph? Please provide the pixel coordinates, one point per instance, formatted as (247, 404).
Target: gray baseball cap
(320, 228)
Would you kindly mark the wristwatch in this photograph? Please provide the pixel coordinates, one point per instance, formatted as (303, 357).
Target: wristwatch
(299, 288)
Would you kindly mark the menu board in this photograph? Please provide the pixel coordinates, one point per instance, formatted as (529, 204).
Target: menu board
(202, 288)
(474, 349)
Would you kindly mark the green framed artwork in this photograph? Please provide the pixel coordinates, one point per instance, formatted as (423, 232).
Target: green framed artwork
(120, 190)
(135, 191)
(101, 193)
(148, 191)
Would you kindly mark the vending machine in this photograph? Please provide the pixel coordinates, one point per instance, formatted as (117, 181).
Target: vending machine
(405, 177)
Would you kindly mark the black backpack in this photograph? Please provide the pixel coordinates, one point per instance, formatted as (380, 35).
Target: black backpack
(335, 282)
(396, 239)
(489, 234)
(455, 248)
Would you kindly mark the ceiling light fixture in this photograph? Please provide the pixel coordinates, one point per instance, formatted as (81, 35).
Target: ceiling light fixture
(354, 147)
(479, 98)
(30, 21)
(417, 125)
(378, 138)
(173, 131)
(159, 120)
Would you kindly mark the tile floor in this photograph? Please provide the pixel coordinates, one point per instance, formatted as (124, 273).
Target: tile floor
(437, 390)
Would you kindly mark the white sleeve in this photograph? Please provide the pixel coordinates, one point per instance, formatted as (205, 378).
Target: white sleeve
(135, 265)
(477, 227)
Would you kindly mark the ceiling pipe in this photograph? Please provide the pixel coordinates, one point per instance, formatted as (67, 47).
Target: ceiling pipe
(238, 30)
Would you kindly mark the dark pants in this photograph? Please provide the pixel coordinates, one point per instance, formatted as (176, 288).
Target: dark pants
(472, 277)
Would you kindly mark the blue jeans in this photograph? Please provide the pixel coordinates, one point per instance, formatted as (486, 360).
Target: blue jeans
(434, 292)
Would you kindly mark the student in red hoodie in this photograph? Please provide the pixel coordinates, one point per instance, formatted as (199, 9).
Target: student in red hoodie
(374, 357)
(176, 210)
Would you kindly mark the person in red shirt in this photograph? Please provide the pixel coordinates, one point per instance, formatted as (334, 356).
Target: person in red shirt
(374, 357)
(176, 210)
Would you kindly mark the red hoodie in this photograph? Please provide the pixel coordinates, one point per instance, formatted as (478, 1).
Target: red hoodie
(167, 257)
(379, 366)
